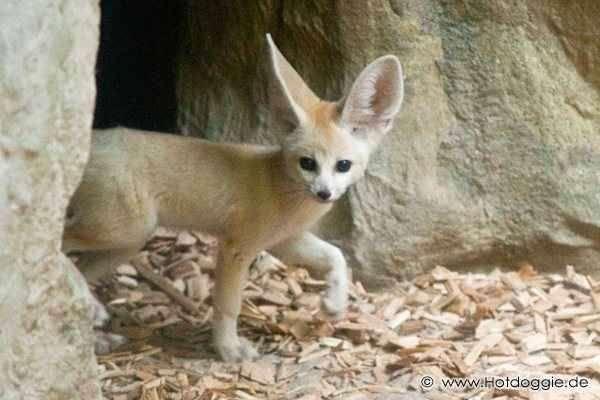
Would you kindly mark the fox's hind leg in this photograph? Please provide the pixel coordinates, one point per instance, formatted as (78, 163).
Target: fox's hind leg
(104, 341)
(104, 243)
(322, 258)
(93, 265)
(107, 233)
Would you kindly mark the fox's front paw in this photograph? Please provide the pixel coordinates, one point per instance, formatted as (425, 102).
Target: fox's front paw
(237, 351)
(335, 300)
(334, 305)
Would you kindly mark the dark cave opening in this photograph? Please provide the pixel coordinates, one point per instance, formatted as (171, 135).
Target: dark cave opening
(136, 65)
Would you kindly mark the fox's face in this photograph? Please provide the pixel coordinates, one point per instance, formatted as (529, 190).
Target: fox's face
(327, 144)
(324, 156)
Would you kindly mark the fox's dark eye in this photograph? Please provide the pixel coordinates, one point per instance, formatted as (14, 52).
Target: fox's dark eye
(343, 165)
(308, 164)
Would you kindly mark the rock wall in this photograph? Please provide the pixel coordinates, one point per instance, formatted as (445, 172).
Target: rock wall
(494, 158)
(47, 53)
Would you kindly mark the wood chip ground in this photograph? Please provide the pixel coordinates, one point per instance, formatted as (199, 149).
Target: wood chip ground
(441, 324)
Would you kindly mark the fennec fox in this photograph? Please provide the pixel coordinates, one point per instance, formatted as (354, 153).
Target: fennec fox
(252, 198)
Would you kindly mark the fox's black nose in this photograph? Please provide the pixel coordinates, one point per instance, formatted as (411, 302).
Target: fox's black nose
(324, 194)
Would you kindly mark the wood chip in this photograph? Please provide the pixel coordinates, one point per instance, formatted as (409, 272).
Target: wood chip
(533, 343)
(261, 372)
(489, 326)
(276, 297)
(404, 342)
(442, 323)
(584, 351)
(398, 319)
(165, 286)
(484, 344)
(127, 281)
(294, 286)
(314, 355)
(185, 239)
(126, 269)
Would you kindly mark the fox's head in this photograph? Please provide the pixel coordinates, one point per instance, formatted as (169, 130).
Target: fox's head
(327, 144)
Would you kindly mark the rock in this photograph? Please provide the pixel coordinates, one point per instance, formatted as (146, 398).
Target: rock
(48, 50)
(493, 159)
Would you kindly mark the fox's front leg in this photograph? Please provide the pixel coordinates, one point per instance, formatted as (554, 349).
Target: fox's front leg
(231, 274)
(308, 250)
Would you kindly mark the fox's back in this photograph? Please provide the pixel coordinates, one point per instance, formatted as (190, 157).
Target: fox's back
(183, 181)
(116, 147)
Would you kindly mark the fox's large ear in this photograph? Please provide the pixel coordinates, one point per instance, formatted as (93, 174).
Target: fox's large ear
(375, 98)
(290, 97)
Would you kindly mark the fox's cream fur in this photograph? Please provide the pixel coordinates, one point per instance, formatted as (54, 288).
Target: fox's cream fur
(252, 198)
